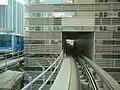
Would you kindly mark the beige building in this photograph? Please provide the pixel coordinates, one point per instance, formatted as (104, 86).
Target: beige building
(106, 24)
(94, 23)
(99, 17)
(43, 42)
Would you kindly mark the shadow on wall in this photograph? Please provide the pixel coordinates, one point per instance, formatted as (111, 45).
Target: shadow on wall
(83, 43)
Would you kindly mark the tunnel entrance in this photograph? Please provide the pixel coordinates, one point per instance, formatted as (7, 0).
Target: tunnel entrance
(83, 43)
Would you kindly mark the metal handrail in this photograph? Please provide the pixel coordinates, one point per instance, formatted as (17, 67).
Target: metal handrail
(111, 83)
(10, 58)
(18, 55)
(35, 79)
(90, 76)
(50, 75)
(9, 52)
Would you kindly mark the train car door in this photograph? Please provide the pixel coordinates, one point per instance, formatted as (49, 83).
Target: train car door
(13, 43)
(17, 43)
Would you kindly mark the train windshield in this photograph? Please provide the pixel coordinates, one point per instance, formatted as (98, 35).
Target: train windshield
(5, 40)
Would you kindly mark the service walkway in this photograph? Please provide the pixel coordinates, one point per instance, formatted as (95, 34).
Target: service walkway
(67, 78)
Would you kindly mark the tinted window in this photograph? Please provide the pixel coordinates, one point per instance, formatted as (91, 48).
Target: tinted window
(111, 56)
(5, 41)
(21, 40)
(17, 37)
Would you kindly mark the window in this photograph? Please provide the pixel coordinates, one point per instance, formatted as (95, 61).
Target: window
(37, 28)
(111, 56)
(111, 42)
(21, 40)
(57, 21)
(57, 27)
(100, 14)
(5, 40)
(98, 56)
(118, 14)
(37, 14)
(118, 0)
(116, 49)
(34, 41)
(98, 41)
(96, 14)
(47, 42)
(31, 28)
(115, 21)
(106, 21)
(103, 28)
(106, 0)
(105, 14)
(26, 42)
(96, 28)
(101, 0)
(97, 21)
(116, 35)
(55, 41)
(118, 28)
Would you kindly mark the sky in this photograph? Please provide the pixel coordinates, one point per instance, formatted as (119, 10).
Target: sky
(54, 1)
(3, 2)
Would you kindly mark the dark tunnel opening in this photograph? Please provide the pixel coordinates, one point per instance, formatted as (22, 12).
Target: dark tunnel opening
(83, 43)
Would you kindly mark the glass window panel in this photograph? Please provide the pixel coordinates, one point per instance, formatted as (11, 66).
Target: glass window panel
(5, 41)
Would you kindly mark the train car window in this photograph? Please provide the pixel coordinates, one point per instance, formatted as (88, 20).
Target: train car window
(5, 40)
(21, 40)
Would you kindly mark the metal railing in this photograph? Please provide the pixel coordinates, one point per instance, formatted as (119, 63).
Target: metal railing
(56, 64)
(10, 58)
(90, 78)
(101, 78)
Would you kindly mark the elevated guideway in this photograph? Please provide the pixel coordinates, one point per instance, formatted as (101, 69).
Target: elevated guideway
(76, 73)
(93, 77)
(90, 77)
(67, 78)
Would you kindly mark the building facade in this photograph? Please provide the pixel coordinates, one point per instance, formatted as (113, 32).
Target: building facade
(40, 27)
(99, 17)
(42, 43)
(106, 27)
(12, 16)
